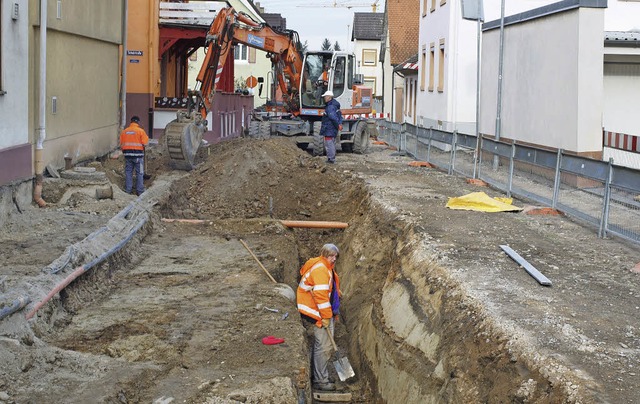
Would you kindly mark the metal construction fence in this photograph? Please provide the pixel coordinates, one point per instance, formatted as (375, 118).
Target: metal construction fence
(600, 193)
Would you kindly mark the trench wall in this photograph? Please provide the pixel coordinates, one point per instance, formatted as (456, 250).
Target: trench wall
(416, 334)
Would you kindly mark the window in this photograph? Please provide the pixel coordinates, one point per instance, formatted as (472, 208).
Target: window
(433, 5)
(423, 69)
(441, 67)
(406, 96)
(240, 52)
(371, 83)
(432, 62)
(339, 76)
(369, 57)
(410, 106)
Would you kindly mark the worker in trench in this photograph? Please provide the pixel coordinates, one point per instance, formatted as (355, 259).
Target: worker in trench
(318, 298)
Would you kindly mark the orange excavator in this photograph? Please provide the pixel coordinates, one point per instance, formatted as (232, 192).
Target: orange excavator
(297, 76)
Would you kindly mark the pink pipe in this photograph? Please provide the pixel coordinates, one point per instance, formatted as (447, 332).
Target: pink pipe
(37, 192)
(72, 276)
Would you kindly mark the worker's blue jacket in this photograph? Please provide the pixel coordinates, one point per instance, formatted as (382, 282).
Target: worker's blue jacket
(331, 119)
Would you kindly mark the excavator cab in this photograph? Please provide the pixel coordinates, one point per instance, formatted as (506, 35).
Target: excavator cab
(326, 70)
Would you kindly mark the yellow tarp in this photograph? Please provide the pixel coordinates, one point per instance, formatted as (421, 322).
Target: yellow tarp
(481, 202)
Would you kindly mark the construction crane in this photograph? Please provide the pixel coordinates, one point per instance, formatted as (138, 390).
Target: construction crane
(374, 5)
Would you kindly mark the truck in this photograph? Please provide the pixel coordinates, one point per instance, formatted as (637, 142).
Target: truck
(300, 78)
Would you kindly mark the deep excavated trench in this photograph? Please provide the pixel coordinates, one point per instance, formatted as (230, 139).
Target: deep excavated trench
(185, 301)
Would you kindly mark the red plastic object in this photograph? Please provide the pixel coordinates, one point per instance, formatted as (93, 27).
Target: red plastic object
(271, 340)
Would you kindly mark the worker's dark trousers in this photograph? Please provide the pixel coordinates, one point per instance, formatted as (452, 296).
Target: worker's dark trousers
(137, 164)
(330, 148)
(321, 353)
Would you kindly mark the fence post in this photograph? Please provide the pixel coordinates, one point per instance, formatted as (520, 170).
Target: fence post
(452, 156)
(476, 157)
(604, 221)
(429, 144)
(479, 139)
(511, 164)
(556, 181)
(415, 154)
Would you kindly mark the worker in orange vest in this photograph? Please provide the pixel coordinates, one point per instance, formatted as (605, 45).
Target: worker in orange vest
(318, 298)
(133, 139)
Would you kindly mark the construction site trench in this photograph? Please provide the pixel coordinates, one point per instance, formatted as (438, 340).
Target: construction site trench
(433, 310)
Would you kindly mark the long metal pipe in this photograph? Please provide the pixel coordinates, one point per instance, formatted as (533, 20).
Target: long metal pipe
(123, 78)
(478, 64)
(42, 108)
(500, 66)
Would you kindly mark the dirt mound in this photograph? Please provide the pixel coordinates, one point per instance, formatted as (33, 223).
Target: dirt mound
(245, 178)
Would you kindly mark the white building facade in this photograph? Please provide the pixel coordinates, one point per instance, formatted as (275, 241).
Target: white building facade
(447, 62)
(14, 94)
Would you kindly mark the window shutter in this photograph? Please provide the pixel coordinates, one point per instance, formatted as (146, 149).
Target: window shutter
(252, 55)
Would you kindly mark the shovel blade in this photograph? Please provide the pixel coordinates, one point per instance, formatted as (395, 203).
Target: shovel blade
(343, 369)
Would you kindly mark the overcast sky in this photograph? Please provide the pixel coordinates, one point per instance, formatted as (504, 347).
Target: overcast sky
(314, 23)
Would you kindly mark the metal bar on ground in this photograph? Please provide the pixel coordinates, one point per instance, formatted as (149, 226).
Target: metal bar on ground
(257, 260)
(537, 275)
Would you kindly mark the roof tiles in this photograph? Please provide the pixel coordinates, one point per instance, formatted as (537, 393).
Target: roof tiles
(403, 22)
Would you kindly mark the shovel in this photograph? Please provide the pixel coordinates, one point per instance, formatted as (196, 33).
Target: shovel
(342, 365)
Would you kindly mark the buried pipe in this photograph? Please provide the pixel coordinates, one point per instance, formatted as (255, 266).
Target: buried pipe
(71, 251)
(15, 306)
(309, 224)
(84, 268)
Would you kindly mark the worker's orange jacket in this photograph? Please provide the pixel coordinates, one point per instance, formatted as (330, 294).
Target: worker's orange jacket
(314, 291)
(132, 140)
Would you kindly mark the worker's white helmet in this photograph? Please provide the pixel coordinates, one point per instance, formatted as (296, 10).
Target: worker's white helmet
(329, 93)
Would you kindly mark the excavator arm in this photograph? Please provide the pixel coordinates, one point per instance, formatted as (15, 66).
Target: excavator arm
(283, 48)
(183, 135)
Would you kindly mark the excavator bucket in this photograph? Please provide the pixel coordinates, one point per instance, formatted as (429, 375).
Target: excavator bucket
(183, 137)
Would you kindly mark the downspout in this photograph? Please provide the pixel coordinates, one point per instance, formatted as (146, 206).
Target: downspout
(42, 99)
(123, 79)
(393, 95)
(152, 61)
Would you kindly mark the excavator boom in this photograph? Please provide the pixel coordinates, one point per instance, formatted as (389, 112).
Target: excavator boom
(228, 28)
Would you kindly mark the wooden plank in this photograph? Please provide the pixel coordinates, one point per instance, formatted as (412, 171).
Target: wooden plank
(201, 5)
(187, 14)
(537, 275)
(332, 397)
(187, 21)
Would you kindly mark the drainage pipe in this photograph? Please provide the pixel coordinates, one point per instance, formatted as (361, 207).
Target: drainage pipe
(84, 268)
(314, 224)
(42, 100)
(15, 306)
(309, 224)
